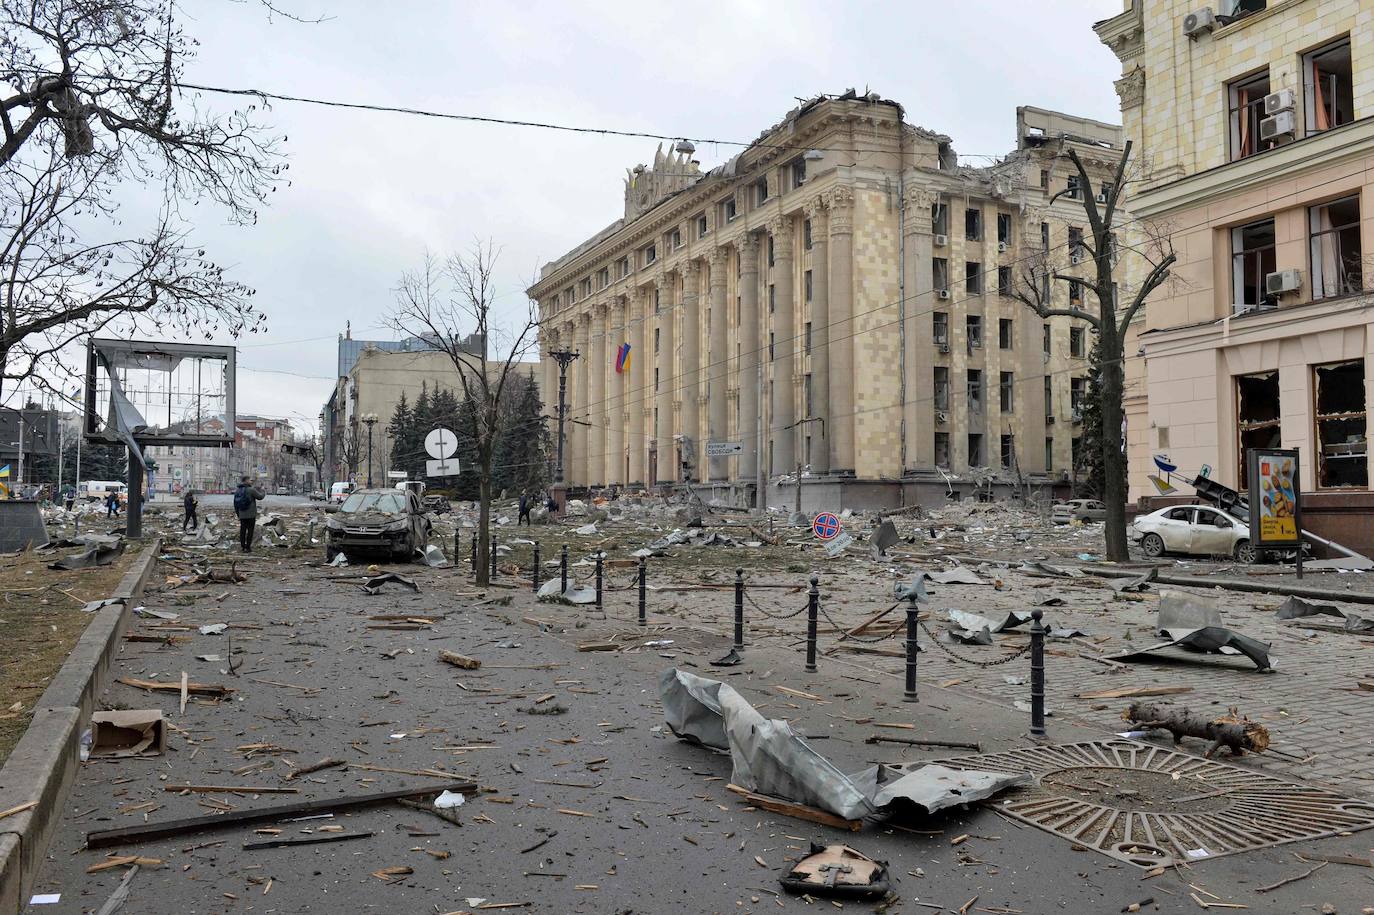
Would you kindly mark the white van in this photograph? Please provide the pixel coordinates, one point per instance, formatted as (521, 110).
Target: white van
(97, 490)
(339, 491)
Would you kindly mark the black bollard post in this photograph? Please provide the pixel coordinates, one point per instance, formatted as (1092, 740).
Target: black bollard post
(739, 608)
(493, 556)
(457, 546)
(911, 649)
(474, 553)
(643, 618)
(599, 558)
(535, 572)
(1037, 675)
(563, 568)
(813, 606)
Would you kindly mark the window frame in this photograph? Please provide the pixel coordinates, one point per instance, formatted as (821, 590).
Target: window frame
(1006, 391)
(1315, 271)
(1254, 114)
(1238, 267)
(1310, 107)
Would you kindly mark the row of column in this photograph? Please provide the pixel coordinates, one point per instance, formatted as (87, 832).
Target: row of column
(622, 427)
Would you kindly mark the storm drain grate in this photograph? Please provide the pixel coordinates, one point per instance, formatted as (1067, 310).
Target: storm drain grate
(1148, 806)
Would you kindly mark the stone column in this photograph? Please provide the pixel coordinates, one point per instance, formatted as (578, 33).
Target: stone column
(580, 432)
(784, 324)
(750, 357)
(636, 396)
(820, 338)
(665, 394)
(689, 367)
(615, 396)
(596, 366)
(717, 420)
(919, 302)
(841, 329)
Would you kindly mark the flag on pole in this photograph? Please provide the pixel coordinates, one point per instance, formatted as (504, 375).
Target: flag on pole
(5, 471)
(622, 359)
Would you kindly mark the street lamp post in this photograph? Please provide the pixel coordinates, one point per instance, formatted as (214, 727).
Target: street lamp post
(564, 358)
(370, 420)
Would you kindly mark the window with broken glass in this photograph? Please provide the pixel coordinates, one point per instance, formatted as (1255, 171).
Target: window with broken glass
(1252, 259)
(1004, 281)
(1049, 454)
(939, 219)
(973, 224)
(1006, 391)
(1328, 86)
(973, 331)
(1246, 100)
(1257, 418)
(1337, 268)
(973, 277)
(941, 387)
(942, 449)
(1004, 333)
(975, 450)
(975, 391)
(1004, 228)
(1008, 449)
(939, 326)
(1340, 418)
(1078, 393)
(939, 276)
(806, 234)
(1075, 341)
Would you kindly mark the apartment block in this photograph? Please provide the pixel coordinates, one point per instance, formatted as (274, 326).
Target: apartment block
(837, 297)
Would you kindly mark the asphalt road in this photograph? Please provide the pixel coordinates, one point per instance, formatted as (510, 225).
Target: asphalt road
(596, 809)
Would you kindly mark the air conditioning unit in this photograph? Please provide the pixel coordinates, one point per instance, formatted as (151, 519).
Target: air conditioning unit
(944, 348)
(1280, 126)
(940, 416)
(1077, 416)
(1102, 197)
(943, 293)
(975, 344)
(1076, 256)
(1282, 100)
(941, 241)
(1049, 419)
(1002, 247)
(1281, 281)
(1195, 24)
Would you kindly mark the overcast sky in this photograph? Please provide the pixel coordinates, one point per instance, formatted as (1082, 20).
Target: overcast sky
(370, 191)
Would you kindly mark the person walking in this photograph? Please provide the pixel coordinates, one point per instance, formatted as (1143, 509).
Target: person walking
(188, 504)
(524, 510)
(246, 498)
(69, 497)
(112, 505)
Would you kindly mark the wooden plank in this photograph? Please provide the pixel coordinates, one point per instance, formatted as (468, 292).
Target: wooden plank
(459, 660)
(28, 805)
(1132, 692)
(230, 789)
(195, 689)
(306, 840)
(148, 832)
(799, 811)
(185, 694)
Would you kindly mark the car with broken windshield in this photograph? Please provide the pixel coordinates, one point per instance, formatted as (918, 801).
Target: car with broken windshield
(377, 521)
(1194, 530)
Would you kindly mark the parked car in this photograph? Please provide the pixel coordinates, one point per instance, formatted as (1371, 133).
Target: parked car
(1082, 510)
(377, 520)
(1197, 530)
(318, 495)
(283, 491)
(339, 491)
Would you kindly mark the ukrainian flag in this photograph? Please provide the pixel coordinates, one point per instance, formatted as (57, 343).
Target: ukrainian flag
(5, 471)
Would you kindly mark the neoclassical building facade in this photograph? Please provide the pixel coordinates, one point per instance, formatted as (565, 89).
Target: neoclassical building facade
(839, 297)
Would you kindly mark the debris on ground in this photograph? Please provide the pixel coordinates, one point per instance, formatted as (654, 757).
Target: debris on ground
(838, 871)
(1233, 731)
(96, 555)
(1297, 608)
(375, 583)
(125, 733)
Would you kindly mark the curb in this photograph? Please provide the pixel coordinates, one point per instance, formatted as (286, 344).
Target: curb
(1249, 587)
(43, 764)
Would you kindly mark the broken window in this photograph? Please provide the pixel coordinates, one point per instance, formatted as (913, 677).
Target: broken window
(1004, 281)
(1076, 452)
(760, 190)
(1257, 417)
(1008, 451)
(941, 387)
(656, 333)
(1049, 339)
(975, 450)
(1328, 87)
(770, 251)
(973, 224)
(973, 328)
(1044, 179)
(1077, 254)
(772, 298)
(1075, 293)
(1005, 391)
(1045, 237)
(1246, 97)
(1252, 259)
(1336, 262)
(770, 346)
(1049, 397)
(624, 267)
(702, 228)
(675, 239)
(1075, 341)
(1078, 393)
(806, 234)
(941, 449)
(939, 276)
(939, 326)
(650, 255)
(808, 285)
(808, 339)
(973, 277)
(655, 391)
(1004, 229)
(806, 390)
(939, 219)
(1341, 449)
(1072, 187)
(1049, 454)
(728, 207)
(797, 171)
(603, 277)
(975, 391)
(1004, 333)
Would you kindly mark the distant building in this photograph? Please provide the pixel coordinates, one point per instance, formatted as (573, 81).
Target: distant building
(256, 452)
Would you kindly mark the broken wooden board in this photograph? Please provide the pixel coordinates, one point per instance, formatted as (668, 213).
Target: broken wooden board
(195, 689)
(797, 811)
(458, 660)
(1135, 692)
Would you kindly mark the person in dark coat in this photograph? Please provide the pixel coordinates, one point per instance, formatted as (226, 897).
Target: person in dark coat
(524, 510)
(112, 505)
(246, 498)
(188, 504)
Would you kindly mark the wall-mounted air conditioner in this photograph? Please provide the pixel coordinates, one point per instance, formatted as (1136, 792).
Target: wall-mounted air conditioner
(1279, 127)
(944, 348)
(943, 293)
(1002, 247)
(1281, 281)
(1282, 100)
(941, 240)
(1199, 23)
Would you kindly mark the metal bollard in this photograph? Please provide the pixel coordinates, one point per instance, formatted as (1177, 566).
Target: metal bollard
(643, 618)
(1037, 632)
(535, 572)
(457, 546)
(911, 649)
(739, 608)
(474, 552)
(493, 556)
(813, 606)
(563, 568)
(599, 558)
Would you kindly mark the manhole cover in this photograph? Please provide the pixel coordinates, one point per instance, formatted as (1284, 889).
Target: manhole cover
(1148, 806)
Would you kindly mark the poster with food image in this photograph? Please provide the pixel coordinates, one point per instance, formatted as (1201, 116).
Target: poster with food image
(1274, 491)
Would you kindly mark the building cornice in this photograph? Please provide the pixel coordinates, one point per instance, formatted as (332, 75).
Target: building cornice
(1124, 34)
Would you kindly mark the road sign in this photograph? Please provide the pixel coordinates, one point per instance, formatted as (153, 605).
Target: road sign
(826, 525)
(838, 545)
(440, 443)
(723, 449)
(443, 468)
(395, 474)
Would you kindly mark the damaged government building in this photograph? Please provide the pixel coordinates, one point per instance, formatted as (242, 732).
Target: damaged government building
(837, 296)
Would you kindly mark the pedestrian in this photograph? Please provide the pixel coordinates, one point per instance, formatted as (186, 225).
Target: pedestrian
(246, 507)
(69, 497)
(552, 505)
(524, 510)
(112, 505)
(188, 504)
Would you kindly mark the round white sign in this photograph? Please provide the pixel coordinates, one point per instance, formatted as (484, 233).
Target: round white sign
(441, 443)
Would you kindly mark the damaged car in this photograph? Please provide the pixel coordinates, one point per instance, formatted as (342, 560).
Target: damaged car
(1196, 530)
(377, 520)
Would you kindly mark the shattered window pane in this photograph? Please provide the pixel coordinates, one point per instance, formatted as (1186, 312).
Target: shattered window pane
(975, 451)
(1257, 415)
(941, 387)
(941, 449)
(1336, 260)
(1341, 445)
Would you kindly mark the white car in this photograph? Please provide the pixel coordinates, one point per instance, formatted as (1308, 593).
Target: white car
(1198, 530)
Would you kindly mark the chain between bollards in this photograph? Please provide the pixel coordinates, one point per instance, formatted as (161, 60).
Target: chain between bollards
(1037, 634)
(739, 608)
(813, 606)
(563, 568)
(911, 650)
(643, 618)
(599, 558)
(535, 572)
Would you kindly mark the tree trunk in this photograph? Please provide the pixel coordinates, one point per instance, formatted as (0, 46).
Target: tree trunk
(483, 569)
(1113, 461)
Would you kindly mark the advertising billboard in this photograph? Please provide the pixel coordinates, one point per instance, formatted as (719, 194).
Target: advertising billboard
(1275, 491)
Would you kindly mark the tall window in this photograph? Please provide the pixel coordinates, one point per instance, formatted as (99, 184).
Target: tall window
(675, 239)
(729, 209)
(1076, 341)
(973, 328)
(1049, 338)
(760, 190)
(941, 387)
(797, 172)
(939, 326)
(1049, 396)
(772, 297)
(1246, 97)
(1049, 453)
(973, 224)
(941, 449)
(1075, 293)
(656, 337)
(650, 255)
(770, 251)
(1004, 333)
(1072, 188)
(976, 458)
(1341, 446)
(806, 234)
(1004, 228)
(939, 219)
(1328, 87)
(1252, 259)
(1077, 254)
(1045, 237)
(973, 277)
(1005, 391)
(939, 276)
(1008, 448)
(1257, 417)
(975, 391)
(807, 284)
(1078, 394)
(1336, 261)
(808, 340)
(702, 228)
(1004, 281)
(770, 346)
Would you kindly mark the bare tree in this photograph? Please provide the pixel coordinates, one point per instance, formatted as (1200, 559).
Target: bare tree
(1109, 320)
(449, 306)
(92, 107)
(350, 451)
